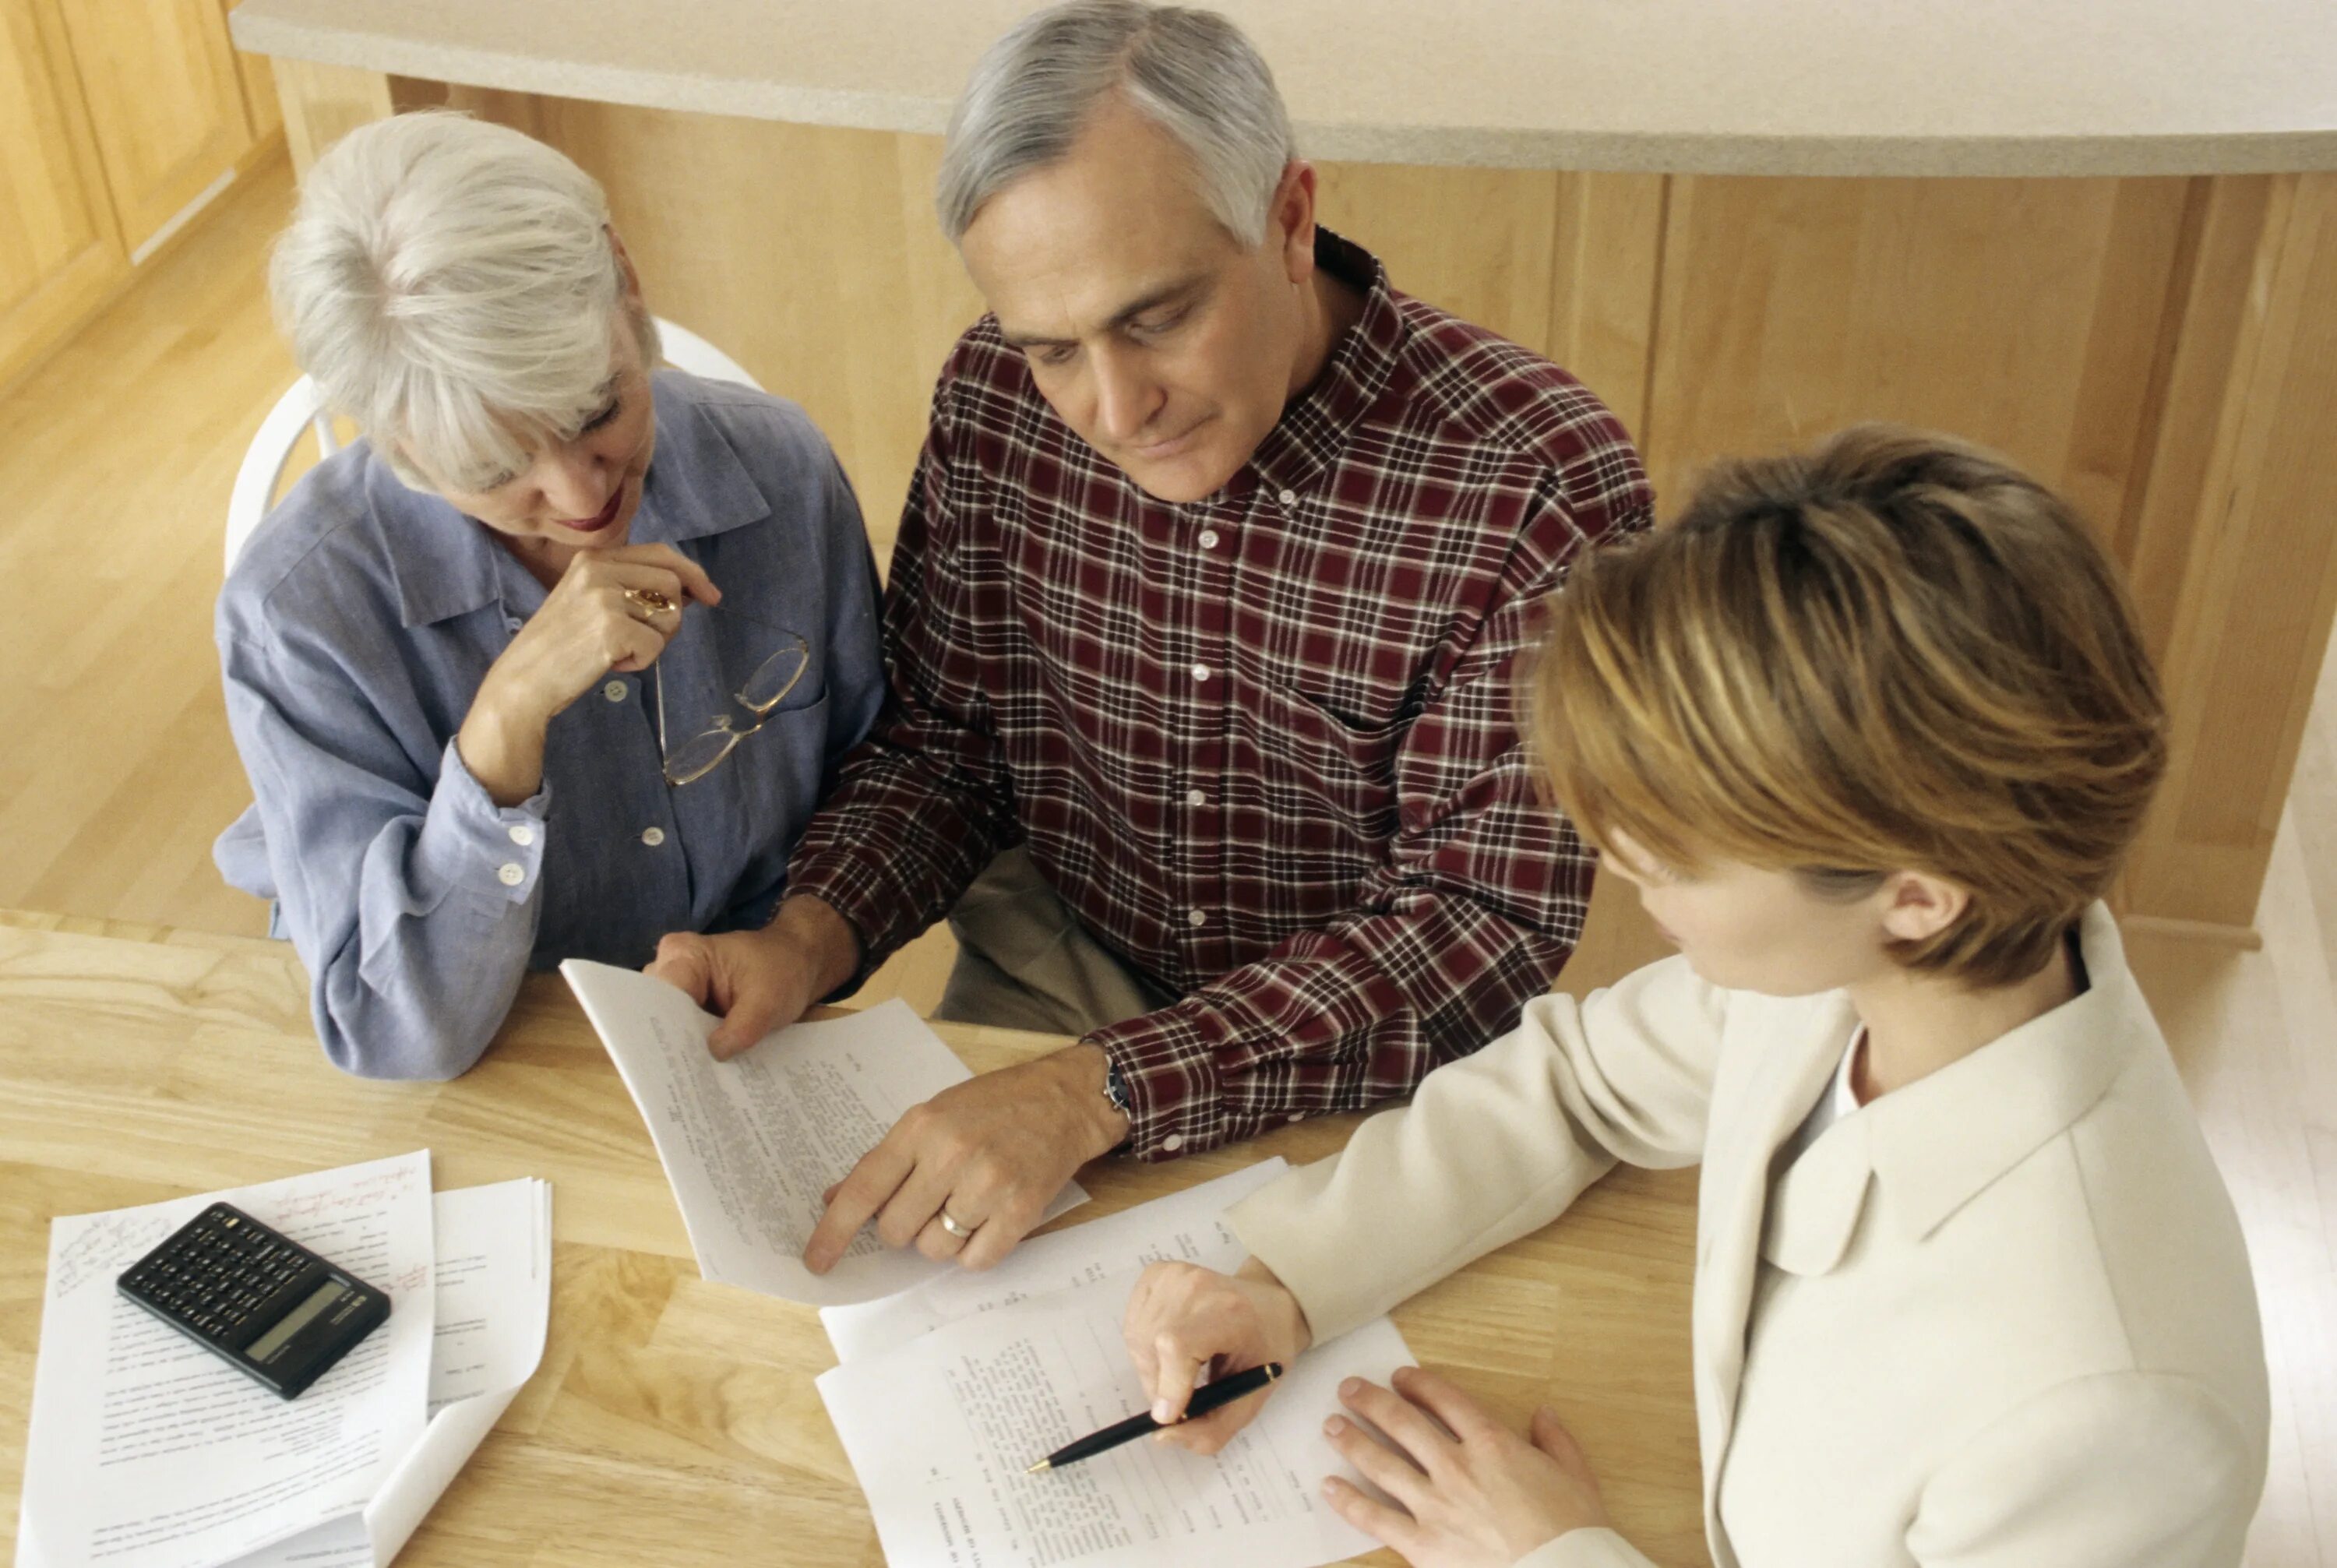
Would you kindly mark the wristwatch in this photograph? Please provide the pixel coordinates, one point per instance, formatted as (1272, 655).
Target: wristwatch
(1115, 1089)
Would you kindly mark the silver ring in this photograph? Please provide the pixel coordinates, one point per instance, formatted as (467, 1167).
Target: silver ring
(956, 1227)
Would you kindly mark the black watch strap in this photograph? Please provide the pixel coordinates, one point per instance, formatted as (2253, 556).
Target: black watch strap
(1115, 1089)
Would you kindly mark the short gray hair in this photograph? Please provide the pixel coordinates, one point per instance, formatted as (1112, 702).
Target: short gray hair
(452, 287)
(1190, 73)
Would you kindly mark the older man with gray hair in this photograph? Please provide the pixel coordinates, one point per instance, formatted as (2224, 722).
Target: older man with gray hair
(1199, 637)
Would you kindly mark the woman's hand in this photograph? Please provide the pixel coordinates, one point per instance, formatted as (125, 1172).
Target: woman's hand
(1182, 1318)
(586, 629)
(1471, 1493)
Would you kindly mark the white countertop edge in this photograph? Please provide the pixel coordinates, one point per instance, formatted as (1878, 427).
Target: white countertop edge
(1673, 153)
(1829, 157)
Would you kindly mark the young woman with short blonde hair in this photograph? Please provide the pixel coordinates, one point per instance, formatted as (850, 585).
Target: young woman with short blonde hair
(1872, 730)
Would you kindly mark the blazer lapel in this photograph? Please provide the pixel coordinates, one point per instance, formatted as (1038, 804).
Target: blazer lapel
(1787, 1052)
(1814, 1207)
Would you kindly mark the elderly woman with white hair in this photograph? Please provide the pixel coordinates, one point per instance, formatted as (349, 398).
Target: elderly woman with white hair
(557, 659)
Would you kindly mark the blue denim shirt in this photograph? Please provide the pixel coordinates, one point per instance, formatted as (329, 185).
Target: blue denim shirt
(354, 633)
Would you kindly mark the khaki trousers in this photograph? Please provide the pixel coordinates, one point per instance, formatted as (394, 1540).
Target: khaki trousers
(1025, 961)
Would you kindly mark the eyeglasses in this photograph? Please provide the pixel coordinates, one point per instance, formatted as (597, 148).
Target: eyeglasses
(702, 752)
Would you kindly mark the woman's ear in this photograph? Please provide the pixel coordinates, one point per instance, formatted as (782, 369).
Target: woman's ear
(1918, 906)
(625, 266)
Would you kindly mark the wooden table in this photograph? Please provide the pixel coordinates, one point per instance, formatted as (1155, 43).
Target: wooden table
(674, 1421)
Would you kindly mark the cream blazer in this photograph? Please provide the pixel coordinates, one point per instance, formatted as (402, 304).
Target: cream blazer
(1999, 1319)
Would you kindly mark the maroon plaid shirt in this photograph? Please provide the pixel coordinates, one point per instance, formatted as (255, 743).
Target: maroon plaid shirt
(1261, 744)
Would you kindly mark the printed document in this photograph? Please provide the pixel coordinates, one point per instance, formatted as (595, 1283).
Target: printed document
(1186, 1227)
(147, 1451)
(941, 1430)
(751, 1144)
(494, 1300)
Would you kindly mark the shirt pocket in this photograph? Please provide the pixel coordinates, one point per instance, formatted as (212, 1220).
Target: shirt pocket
(792, 743)
(1333, 760)
(743, 818)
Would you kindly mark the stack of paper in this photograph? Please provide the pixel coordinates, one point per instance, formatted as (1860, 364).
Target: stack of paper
(954, 1383)
(949, 1392)
(147, 1451)
(751, 1144)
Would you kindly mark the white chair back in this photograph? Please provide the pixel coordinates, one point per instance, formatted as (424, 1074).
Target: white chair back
(302, 408)
(686, 351)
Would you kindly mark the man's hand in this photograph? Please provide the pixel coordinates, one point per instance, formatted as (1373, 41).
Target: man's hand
(760, 980)
(1469, 1492)
(1182, 1318)
(992, 1152)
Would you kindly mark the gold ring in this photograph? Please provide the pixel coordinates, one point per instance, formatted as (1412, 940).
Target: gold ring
(956, 1227)
(649, 599)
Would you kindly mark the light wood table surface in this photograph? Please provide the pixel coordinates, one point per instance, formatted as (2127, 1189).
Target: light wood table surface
(674, 1422)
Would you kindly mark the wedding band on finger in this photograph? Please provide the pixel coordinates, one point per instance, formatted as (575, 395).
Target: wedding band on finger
(649, 599)
(956, 1227)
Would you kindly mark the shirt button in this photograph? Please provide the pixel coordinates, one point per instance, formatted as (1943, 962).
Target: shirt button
(1196, 916)
(522, 834)
(509, 874)
(1200, 672)
(614, 690)
(652, 836)
(1288, 497)
(1298, 1116)
(1196, 797)
(1174, 1142)
(1209, 538)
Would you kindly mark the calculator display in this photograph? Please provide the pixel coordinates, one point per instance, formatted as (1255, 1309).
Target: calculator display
(295, 1320)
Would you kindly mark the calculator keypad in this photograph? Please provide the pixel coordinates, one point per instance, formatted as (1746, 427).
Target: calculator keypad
(216, 1272)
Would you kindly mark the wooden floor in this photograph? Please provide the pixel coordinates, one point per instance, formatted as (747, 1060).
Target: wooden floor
(115, 462)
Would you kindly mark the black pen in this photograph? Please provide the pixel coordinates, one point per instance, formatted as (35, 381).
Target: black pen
(1205, 1399)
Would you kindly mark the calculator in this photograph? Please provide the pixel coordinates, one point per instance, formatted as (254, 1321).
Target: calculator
(255, 1299)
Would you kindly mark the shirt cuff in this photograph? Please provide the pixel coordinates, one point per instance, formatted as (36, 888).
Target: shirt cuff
(870, 897)
(1599, 1548)
(467, 841)
(1175, 1102)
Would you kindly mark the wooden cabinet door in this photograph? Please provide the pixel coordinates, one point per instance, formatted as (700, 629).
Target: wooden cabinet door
(163, 99)
(60, 253)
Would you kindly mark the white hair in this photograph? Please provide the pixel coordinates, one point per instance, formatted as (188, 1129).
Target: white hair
(1191, 72)
(453, 288)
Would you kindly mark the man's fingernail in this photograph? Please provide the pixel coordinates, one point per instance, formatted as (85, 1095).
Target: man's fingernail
(1163, 1412)
(1351, 1388)
(1334, 1426)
